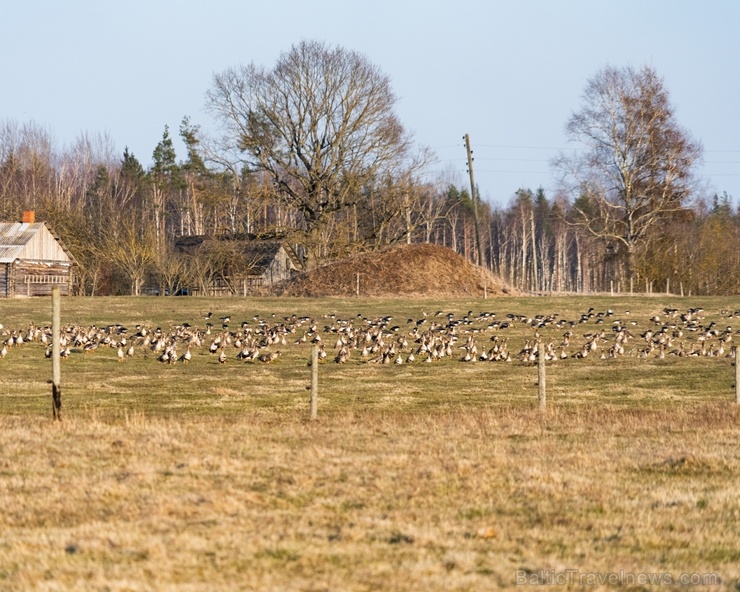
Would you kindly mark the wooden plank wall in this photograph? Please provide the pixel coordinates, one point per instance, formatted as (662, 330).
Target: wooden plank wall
(4, 280)
(30, 278)
(43, 247)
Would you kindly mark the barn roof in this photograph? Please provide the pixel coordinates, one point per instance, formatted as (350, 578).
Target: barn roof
(20, 240)
(259, 253)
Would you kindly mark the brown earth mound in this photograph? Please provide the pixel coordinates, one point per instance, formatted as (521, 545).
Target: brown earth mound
(417, 269)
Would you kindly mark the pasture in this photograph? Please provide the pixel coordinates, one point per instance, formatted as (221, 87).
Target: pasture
(443, 475)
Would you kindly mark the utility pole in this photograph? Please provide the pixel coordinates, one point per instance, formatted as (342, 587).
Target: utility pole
(474, 197)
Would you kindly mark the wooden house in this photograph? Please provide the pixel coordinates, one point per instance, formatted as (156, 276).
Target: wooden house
(239, 264)
(33, 259)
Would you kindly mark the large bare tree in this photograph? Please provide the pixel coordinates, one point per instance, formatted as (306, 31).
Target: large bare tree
(320, 123)
(636, 166)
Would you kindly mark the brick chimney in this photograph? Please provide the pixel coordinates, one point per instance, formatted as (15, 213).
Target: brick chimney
(29, 217)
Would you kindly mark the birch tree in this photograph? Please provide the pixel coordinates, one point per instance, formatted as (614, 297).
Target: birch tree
(637, 162)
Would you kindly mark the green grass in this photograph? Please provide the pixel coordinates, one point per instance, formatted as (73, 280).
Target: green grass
(96, 381)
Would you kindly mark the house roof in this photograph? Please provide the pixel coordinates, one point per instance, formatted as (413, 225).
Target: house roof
(259, 254)
(20, 240)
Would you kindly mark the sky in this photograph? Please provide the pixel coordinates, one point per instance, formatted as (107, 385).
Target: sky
(507, 72)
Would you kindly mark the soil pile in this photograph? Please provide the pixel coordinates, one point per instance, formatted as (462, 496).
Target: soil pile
(407, 270)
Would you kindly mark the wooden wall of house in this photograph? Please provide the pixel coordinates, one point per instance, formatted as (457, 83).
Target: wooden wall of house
(36, 278)
(43, 246)
(4, 280)
(279, 269)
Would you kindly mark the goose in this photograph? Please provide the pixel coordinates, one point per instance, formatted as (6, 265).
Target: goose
(245, 352)
(342, 356)
(270, 357)
(185, 357)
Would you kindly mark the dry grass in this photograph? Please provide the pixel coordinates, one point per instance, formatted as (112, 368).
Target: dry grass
(374, 501)
(429, 476)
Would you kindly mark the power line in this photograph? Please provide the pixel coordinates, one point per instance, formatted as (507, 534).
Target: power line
(503, 159)
(510, 147)
(522, 147)
(516, 172)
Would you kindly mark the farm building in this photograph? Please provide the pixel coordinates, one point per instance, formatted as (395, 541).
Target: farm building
(239, 264)
(32, 259)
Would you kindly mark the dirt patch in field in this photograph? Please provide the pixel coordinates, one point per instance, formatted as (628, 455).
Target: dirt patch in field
(407, 270)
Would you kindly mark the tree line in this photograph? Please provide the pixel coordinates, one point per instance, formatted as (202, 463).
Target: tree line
(311, 153)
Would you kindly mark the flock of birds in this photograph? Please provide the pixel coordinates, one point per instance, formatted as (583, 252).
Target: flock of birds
(483, 337)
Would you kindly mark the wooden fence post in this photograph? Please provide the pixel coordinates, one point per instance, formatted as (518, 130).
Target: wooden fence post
(541, 386)
(56, 367)
(737, 375)
(314, 382)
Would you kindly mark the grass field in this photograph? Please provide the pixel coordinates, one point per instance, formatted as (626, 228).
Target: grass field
(443, 475)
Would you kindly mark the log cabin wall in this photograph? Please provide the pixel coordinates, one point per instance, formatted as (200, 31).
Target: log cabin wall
(36, 278)
(4, 280)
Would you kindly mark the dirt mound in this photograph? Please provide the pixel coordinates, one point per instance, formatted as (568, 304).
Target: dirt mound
(417, 269)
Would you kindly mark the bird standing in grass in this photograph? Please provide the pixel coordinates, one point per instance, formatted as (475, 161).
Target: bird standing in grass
(185, 358)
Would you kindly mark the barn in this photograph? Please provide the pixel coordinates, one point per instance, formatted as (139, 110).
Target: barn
(33, 260)
(243, 264)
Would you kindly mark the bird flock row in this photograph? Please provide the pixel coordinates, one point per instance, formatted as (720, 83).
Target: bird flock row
(483, 337)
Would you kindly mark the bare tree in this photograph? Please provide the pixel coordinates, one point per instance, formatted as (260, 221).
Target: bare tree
(320, 123)
(27, 166)
(637, 163)
(131, 246)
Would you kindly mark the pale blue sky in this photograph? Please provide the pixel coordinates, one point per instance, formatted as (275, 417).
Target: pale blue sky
(509, 73)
